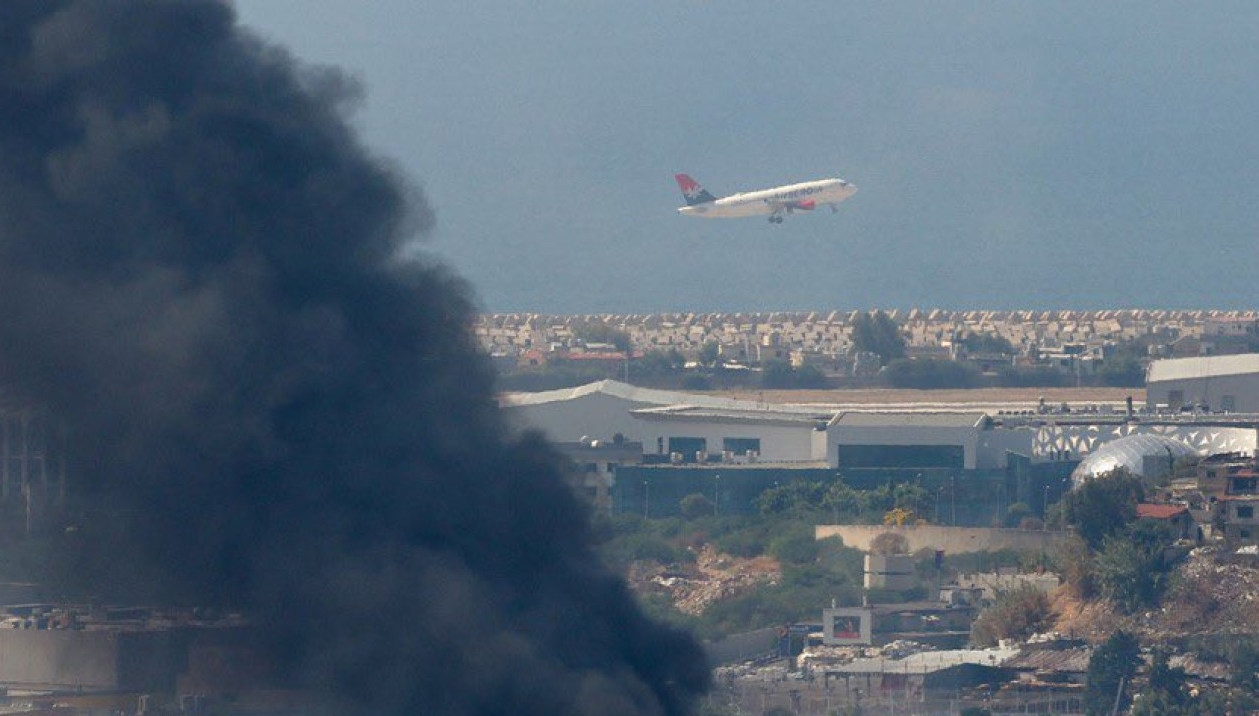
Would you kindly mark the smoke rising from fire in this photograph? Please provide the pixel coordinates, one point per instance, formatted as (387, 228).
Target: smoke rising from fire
(271, 409)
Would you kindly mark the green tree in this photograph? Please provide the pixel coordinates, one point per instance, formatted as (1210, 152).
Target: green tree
(709, 353)
(1016, 614)
(987, 343)
(1243, 665)
(1110, 670)
(797, 545)
(1130, 573)
(1035, 376)
(843, 502)
(777, 374)
(878, 333)
(1103, 506)
(1164, 679)
(1124, 372)
(1123, 366)
(603, 333)
(653, 364)
(696, 381)
(810, 377)
(797, 497)
(1015, 514)
(931, 373)
(696, 506)
(1074, 561)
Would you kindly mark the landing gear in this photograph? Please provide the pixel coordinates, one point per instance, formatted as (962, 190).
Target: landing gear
(775, 219)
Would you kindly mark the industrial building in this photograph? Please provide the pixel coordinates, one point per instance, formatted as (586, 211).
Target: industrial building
(1228, 384)
(975, 459)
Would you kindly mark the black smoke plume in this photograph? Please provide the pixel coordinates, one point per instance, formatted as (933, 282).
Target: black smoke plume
(201, 273)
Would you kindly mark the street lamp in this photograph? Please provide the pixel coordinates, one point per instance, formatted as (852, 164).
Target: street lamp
(1044, 514)
(716, 495)
(939, 494)
(646, 499)
(953, 497)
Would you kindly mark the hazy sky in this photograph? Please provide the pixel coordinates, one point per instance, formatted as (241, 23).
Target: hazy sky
(1008, 155)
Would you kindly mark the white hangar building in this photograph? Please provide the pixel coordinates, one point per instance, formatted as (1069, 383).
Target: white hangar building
(1221, 383)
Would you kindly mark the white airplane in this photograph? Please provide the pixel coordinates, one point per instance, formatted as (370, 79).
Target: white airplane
(776, 202)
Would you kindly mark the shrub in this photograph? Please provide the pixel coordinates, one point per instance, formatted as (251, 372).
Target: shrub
(1074, 561)
(1017, 614)
(797, 546)
(695, 506)
(1130, 569)
(1015, 514)
(889, 543)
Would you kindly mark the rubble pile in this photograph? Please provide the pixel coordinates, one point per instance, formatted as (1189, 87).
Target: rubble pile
(1216, 592)
(712, 578)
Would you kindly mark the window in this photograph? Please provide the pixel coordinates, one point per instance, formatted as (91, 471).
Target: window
(902, 456)
(741, 446)
(687, 447)
(1245, 512)
(592, 467)
(1243, 485)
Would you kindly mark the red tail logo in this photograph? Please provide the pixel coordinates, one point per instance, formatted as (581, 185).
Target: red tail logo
(694, 193)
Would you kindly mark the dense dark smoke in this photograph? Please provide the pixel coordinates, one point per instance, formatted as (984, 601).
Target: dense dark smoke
(270, 409)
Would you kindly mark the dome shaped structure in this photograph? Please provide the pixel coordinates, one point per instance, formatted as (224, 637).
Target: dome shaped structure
(1149, 456)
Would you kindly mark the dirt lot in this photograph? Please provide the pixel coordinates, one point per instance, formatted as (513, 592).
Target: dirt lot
(981, 396)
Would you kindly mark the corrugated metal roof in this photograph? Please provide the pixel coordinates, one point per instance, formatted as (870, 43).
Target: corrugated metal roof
(760, 416)
(1202, 367)
(907, 419)
(1193, 666)
(631, 393)
(927, 662)
(1075, 660)
(1150, 511)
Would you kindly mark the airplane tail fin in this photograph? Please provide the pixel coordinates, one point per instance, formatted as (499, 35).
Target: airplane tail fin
(694, 193)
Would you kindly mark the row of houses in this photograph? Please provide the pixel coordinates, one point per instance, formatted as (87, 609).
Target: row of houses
(755, 336)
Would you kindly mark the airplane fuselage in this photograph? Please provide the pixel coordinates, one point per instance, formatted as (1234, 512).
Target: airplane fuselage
(804, 196)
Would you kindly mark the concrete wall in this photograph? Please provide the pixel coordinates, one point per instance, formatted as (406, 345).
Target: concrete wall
(892, 571)
(739, 647)
(68, 659)
(952, 540)
(89, 660)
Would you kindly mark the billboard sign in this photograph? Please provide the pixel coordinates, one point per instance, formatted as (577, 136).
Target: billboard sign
(846, 626)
